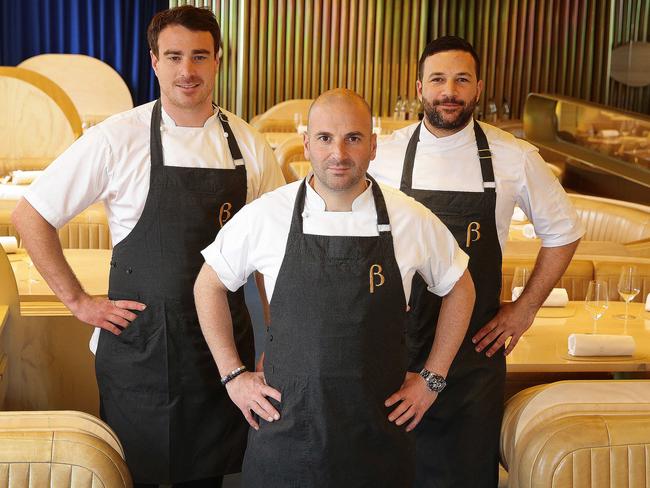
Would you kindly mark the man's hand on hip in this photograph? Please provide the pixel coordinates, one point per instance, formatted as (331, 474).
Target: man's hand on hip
(112, 315)
(510, 322)
(249, 391)
(414, 399)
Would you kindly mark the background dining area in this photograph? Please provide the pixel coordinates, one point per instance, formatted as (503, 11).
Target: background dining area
(571, 78)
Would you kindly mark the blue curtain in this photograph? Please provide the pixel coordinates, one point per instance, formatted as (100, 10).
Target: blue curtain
(111, 30)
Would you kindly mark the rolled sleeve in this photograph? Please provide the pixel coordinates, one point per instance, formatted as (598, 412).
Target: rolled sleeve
(228, 254)
(445, 262)
(545, 202)
(453, 273)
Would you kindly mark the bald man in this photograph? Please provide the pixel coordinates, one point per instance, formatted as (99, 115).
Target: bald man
(335, 405)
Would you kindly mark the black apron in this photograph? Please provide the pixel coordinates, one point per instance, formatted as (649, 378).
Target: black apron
(336, 351)
(458, 438)
(159, 386)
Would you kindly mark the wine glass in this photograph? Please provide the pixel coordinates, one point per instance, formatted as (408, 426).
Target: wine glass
(597, 300)
(628, 288)
(519, 280)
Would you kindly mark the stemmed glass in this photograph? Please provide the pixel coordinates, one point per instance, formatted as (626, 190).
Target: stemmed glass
(628, 288)
(519, 280)
(597, 300)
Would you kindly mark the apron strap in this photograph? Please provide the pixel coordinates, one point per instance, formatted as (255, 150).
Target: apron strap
(383, 222)
(409, 161)
(235, 152)
(155, 142)
(484, 156)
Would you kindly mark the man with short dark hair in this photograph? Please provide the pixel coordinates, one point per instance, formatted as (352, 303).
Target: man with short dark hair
(335, 405)
(471, 175)
(170, 174)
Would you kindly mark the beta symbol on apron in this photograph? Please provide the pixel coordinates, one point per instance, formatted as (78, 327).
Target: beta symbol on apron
(336, 351)
(458, 438)
(159, 386)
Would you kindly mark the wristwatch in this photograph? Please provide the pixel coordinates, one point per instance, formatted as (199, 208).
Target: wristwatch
(434, 381)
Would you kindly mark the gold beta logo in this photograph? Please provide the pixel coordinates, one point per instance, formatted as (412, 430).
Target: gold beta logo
(224, 213)
(473, 233)
(375, 272)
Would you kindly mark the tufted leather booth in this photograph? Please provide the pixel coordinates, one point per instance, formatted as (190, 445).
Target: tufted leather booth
(611, 220)
(578, 433)
(88, 230)
(62, 449)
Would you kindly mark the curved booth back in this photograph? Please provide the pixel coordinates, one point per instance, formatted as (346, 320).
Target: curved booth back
(279, 118)
(611, 220)
(96, 89)
(38, 121)
(577, 433)
(62, 449)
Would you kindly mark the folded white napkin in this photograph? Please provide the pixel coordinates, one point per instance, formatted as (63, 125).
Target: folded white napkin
(518, 215)
(302, 128)
(529, 231)
(376, 130)
(20, 177)
(647, 303)
(9, 244)
(601, 345)
(557, 298)
(609, 133)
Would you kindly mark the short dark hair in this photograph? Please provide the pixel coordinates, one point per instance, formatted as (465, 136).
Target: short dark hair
(188, 16)
(448, 43)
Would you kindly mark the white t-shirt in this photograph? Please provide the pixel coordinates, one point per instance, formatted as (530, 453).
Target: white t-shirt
(111, 163)
(256, 237)
(451, 163)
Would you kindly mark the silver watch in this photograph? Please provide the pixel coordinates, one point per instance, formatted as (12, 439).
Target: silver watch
(434, 381)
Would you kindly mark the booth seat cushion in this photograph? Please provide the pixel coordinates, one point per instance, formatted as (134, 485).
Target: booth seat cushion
(608, 220)
(60, 459)
(609, 271)
(541, 404)
(585, 451)
(575, 278)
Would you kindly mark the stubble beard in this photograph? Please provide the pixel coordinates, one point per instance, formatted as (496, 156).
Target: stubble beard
(437, 120)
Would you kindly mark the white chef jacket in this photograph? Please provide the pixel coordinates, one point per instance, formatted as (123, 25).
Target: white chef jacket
(451, 163)
(111, 163)
(256, 237)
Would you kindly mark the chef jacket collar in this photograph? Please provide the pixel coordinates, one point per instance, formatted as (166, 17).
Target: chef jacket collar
(315, 203)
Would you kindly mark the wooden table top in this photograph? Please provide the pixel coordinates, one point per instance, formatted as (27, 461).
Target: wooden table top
(91, 266)
(543, 348)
